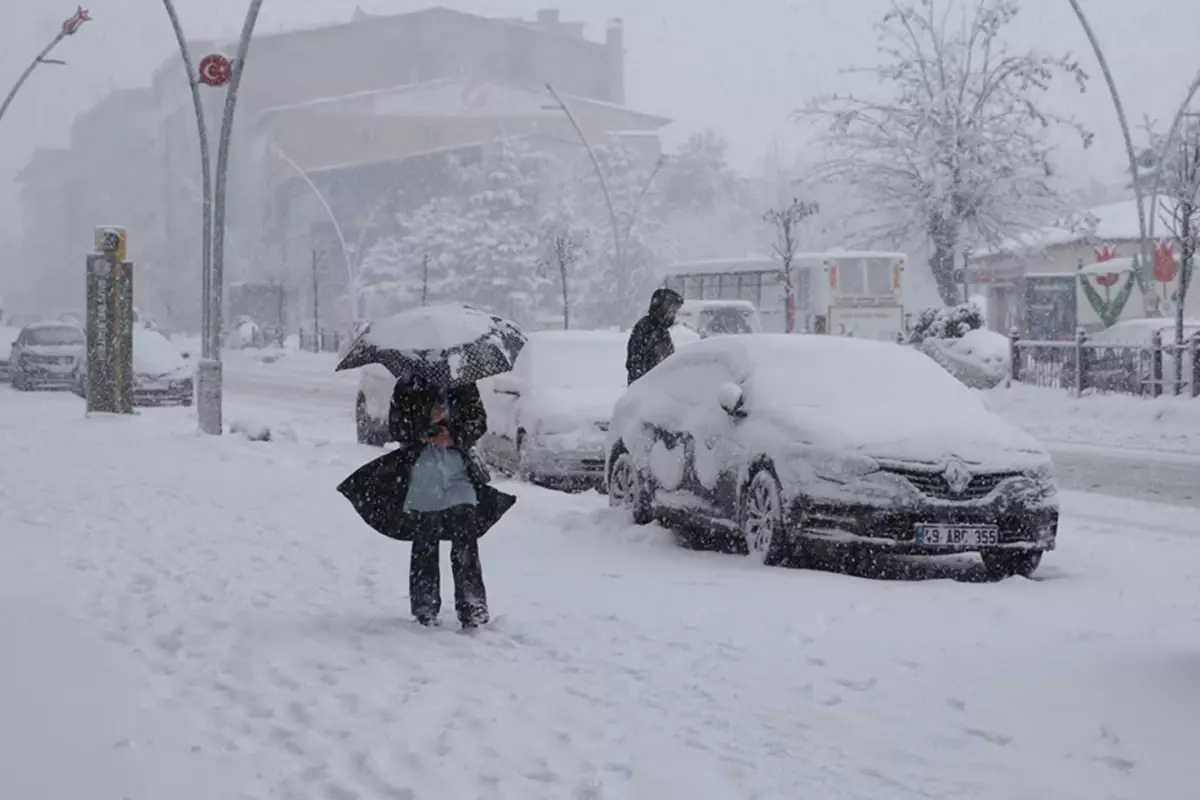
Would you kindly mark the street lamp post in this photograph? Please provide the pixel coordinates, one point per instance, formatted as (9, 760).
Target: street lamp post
(353, 262)
(69, 27)
(1146, 216)
(209, 386)
(618, 253)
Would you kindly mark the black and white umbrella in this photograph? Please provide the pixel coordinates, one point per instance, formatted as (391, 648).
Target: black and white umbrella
(444, 345)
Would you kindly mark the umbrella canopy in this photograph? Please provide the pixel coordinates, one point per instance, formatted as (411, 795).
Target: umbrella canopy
(444, 345)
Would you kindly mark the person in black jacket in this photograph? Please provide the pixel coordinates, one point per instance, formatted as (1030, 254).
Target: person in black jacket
(650, 340)
(441, 427)
(433, 488)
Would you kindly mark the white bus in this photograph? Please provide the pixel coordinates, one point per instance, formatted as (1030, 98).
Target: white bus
(848, 293)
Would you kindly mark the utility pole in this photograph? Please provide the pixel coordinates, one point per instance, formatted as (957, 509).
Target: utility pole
(69, 27)
(316, 290)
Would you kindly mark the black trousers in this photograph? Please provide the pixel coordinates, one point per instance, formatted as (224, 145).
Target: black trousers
(425, 575)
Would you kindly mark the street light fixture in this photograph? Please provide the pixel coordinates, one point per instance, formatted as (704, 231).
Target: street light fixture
(618, 239)
(68, 28)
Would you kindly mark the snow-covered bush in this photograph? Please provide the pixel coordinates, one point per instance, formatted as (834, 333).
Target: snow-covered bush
(946, 322)
(954, 337)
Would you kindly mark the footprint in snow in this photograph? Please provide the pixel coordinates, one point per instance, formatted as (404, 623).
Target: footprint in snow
(956, 704)
(858, 686)
(1123, 765)
(990, 736)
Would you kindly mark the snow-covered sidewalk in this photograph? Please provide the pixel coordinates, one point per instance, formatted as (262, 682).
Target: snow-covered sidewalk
(619, 665)
(1164, 424)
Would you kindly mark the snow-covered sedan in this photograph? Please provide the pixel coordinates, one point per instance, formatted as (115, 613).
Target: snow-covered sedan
(44, 355)
(792, 445)
(547, 418)
(162, 374)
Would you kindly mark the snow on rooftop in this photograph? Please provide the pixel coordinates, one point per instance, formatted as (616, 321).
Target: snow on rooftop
(1112, 222)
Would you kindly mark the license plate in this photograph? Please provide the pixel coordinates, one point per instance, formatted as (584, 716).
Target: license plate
(957, 535)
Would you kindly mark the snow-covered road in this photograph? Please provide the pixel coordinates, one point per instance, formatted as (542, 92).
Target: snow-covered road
(304, 384)
(619, 665)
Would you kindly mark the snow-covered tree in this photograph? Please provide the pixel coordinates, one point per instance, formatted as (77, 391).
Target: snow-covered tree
(960, 149)
(501, 227)
(615, 285)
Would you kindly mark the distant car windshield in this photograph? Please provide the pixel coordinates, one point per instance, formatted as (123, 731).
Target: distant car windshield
(56, 335)
(578, 364)
(726, 320)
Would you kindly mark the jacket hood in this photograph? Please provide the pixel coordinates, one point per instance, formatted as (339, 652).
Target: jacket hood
(660, 299)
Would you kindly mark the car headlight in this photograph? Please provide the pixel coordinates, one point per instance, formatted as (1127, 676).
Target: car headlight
(843, 469)
(1042, 473)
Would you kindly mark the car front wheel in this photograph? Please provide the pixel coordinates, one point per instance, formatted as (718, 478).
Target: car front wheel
(762, 519)
(368, 431)
(1001, 564)
(20, 382)
(627, 489)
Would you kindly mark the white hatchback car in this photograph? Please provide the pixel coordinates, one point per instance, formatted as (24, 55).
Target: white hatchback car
(547, 418)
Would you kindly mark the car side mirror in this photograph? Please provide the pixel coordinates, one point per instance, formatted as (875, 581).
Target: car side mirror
(731, 398)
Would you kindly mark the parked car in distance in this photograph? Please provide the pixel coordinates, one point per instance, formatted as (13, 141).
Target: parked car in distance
(719, 317)
(7, 337)
(793, 447)
(547, 418)
(162, 374)
(44, 356)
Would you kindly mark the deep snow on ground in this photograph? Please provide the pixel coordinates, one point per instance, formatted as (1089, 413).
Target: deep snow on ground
(619, 665)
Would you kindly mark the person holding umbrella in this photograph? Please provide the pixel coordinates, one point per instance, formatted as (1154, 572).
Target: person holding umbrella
(433, 488)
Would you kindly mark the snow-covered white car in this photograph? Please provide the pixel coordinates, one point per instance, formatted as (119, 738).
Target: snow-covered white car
(162, 374)
(547, 418)
(372, 404)
(791, 445)
(44, 355)
(7, 337)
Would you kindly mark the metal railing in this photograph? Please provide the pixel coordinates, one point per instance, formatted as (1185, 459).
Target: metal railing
(326, 341)
(1160, 368)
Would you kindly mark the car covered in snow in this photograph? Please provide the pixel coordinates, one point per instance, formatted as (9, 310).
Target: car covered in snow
(796, 447)
(7, 337)
(162, 374)
(44, 356)
(547, 418)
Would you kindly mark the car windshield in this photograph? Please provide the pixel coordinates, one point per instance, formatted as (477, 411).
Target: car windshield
(579, 364)
(55, 335)
(726, 320)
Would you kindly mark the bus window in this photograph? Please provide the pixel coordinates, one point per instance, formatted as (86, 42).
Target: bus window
(850, 276)
(879, 278)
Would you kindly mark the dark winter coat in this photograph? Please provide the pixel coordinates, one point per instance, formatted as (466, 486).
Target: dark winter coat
(377, 490)
(650, 340)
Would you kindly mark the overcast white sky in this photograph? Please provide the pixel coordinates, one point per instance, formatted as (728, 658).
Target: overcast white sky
(700, 62)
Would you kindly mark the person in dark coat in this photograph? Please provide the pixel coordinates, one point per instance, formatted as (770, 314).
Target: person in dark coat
(650, 340)
(433, 488)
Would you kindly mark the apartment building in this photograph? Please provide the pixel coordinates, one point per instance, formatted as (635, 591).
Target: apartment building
(341, 111)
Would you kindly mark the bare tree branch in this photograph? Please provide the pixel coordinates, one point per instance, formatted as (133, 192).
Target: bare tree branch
(959, 149)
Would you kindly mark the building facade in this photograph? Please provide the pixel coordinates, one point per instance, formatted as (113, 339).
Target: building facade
(329, 120)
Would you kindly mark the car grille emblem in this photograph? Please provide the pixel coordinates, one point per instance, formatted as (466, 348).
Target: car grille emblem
(958, 478)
